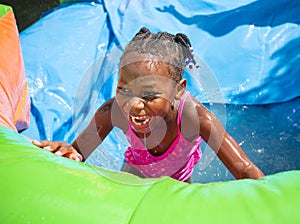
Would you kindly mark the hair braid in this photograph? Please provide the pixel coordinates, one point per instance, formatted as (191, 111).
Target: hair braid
(174, 48)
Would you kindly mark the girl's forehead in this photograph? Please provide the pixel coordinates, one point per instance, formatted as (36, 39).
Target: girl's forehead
(144, 67)
(146, 80)
(152, 83)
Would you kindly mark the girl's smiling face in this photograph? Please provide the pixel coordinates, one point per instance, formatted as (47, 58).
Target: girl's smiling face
(145, 93)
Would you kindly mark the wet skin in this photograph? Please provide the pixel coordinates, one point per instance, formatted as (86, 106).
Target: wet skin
(147, 99)
(146, 96)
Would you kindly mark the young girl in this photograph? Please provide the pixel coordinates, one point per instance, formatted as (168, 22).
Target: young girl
(163, 122)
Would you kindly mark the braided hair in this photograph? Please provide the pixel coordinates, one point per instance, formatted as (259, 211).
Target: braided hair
(175, 49)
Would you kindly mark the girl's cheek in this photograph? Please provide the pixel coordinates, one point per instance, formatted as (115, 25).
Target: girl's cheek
(120, 102)
(159, 108)
(124, 106)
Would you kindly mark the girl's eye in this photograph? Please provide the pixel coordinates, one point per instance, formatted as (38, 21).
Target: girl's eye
(124, 91)
(149, 96)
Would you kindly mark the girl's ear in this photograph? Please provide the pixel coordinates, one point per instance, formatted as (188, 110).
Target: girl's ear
(181, 86)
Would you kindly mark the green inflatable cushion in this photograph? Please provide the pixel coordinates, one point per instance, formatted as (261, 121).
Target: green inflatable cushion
(4, 9)
(40, 187)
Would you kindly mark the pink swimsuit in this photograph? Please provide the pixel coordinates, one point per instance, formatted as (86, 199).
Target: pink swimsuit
(177, 162)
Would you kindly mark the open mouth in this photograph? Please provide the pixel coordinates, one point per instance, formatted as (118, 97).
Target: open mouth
(140, 121)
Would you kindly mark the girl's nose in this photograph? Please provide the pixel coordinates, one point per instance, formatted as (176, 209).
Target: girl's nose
(137, 103)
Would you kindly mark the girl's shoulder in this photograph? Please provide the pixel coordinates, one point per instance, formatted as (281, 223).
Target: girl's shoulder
(194, 111)
(190, 119)
(196, 119)
(193, 107)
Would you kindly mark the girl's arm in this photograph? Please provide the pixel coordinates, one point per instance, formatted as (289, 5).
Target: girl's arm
(226, 148)
(105, 118)
(89, 139)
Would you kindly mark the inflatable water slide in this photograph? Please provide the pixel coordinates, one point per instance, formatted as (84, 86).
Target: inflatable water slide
(40, 187)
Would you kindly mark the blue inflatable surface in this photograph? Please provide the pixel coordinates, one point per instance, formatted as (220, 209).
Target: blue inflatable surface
(248, 52)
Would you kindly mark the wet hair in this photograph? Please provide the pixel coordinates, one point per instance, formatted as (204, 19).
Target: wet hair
(176, 50)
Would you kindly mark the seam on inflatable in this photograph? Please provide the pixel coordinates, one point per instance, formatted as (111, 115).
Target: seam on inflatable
(138, 204)
(142, 199)
(22, 112)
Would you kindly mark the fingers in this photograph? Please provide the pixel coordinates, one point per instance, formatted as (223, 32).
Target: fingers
(36, 142)
(75, 156)
(44, 143)
(59, 148)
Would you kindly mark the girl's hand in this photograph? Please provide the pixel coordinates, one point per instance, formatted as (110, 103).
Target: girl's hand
(59, 148)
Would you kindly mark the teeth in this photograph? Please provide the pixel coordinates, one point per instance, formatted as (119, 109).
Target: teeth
(140, 120)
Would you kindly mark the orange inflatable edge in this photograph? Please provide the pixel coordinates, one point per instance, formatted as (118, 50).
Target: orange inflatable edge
(14, 97)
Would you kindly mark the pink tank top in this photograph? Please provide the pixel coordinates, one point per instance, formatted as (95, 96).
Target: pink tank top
(177, 162)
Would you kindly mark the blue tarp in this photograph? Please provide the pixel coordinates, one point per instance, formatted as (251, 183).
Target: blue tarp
(249, 52)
